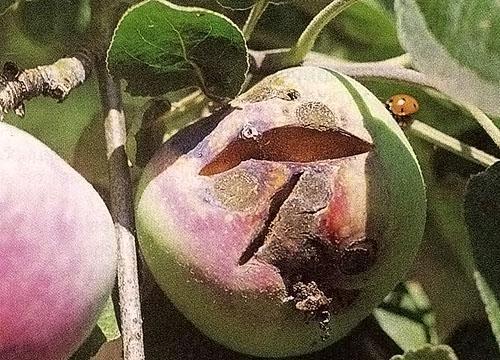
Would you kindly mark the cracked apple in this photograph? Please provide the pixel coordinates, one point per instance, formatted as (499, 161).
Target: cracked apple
(57, 247)
(279, 223)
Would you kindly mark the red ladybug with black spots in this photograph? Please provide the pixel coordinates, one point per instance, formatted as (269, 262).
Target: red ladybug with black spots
(402, 107)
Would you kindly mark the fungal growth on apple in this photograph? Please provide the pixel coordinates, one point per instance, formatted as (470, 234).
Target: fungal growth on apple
(57, 252)
(279, 224)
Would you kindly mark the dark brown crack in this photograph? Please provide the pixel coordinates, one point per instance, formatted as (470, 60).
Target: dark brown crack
(276, 202)
(309, 265)
(288, 144)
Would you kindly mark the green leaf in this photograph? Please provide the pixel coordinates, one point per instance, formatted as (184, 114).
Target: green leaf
(366, 31)
(490, 303)
(242, 4)
(407, 318)
(482, 216)
(4, 5)
(160, 47)
(105, 331)
(457, 43)
(54, 21)
(437, 352)
(107, 322)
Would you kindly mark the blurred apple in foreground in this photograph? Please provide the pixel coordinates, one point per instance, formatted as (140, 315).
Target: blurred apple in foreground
(57, 247)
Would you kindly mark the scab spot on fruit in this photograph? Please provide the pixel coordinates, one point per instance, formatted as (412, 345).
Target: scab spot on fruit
(316, 115)
(271, 89)
(237, 190)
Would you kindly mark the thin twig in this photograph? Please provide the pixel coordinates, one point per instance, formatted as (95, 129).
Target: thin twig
(438, 138)
(491, 129)
(254, 16)
(385, 70)
(122, 212)
(306, 41)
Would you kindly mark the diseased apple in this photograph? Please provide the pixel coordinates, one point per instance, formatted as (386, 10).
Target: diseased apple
(277, 225)
(57, 252)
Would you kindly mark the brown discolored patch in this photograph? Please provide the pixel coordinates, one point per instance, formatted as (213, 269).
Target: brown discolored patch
(291, 241)
(287, 143)
(317, 115)
(237, 190)
(309, 265)
(276, 201)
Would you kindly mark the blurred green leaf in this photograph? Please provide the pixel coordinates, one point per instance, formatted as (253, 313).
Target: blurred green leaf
(107, 322)
(105, 331)
(490, 303)
(91, 346)
(482, 216)
(5, 4)
(437, 352)
(457, 44)
(54, 20)
(388, 5)
(366, 31)
(406, 317)
(160, 47)
(60, 126)
(237, 4)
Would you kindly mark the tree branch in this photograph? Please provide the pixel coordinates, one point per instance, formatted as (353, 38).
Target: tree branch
(58, 79)
(122, 212)
(55, 80)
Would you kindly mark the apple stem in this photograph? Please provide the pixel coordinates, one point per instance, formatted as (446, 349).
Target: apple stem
(306, 41)
(122, 213)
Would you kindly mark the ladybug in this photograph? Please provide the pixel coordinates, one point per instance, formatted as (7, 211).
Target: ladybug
(402, 107)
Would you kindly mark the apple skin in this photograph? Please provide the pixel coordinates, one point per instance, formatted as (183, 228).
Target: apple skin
(58, 252)
(198, 210)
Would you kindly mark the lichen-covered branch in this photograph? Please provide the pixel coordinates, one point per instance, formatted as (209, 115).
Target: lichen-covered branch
(55, 80)
(122, 212)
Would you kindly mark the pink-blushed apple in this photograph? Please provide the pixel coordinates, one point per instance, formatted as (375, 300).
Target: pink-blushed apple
(57, 252)
(277, 225)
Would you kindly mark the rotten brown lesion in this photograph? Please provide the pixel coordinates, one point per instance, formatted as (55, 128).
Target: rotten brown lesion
(290, 239)
(288, 144)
